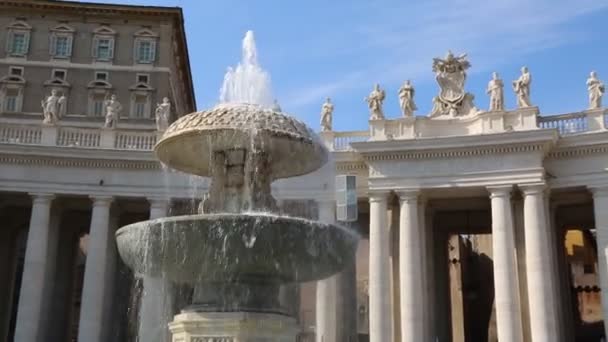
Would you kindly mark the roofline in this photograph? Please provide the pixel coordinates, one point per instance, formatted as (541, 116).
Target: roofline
(110, 9)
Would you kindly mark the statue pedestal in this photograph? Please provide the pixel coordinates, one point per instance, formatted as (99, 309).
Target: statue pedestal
(233, 327)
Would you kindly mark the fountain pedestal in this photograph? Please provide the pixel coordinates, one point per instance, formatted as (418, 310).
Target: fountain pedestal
(233, 327)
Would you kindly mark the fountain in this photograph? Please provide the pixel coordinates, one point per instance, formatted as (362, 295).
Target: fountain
(237, 252)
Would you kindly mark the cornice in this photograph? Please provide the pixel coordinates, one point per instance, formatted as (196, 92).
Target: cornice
(578, 151)
(351, 166)
(455, 153)
(88, 163)
(90, 8)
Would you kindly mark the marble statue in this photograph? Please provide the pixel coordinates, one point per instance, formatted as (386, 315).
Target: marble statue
(451, 76)
(163, 111)
(406, 99)
(327, 111)
(276, 106)
(495, 90)
(521, 86)
(113, 109)
(596, 89)
(374, 102)
(52, 107)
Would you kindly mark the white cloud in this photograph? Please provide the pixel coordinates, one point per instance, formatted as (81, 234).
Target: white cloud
(399, 41)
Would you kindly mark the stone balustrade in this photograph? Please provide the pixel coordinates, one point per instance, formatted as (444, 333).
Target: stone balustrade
(79, 137)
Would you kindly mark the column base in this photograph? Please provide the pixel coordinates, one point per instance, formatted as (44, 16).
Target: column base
(233, 327)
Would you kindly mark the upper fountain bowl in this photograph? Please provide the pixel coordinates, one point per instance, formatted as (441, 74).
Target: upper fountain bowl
(292, 147)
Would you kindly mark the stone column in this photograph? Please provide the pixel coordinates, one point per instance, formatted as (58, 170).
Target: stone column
(410, 269)
(380, 327)
(506, 288)
(96, 285)
(155, 311)
(31, 315)
(600, 208)
(326, 296)
(543, 309)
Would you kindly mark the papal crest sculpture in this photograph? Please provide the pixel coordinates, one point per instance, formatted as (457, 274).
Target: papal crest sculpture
(451, 75)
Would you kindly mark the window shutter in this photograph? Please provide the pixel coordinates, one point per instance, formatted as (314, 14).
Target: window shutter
(111, 48)
(153, 50)
(9, 42)
(27, 43)
(70, 42)
(53, 45)
(95, 45)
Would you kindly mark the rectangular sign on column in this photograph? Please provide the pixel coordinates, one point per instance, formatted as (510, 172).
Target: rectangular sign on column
(346, 198)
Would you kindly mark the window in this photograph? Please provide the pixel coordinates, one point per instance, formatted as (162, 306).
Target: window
(59, 74)
(15, 71)
(98, 101)
(143, 78)
(61, 41)
(61, 47)
(103, 44)
(101, 76)
(140, 107)
(145, 51)
(18, 38)
(10, 100)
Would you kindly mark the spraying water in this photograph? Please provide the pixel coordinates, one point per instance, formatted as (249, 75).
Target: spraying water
(248, 82)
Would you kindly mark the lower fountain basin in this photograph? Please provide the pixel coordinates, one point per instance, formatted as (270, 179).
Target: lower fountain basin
(236, 248)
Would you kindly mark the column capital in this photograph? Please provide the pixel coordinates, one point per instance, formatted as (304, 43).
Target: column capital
(378, 195)
(532, 188)
(38, 197)
(500, 190)
(408, 195)
(101, 200)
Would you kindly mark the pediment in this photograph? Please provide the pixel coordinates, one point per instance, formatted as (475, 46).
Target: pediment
(99, 84)
(141, 86)
(104, 30)
(146, 33)
(56, 82)
(12, 79)
(63, 28)
(20, 25)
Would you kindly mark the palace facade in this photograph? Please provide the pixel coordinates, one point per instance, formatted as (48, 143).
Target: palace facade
(475, 225)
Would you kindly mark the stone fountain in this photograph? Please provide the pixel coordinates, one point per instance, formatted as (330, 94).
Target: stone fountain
(237, 252)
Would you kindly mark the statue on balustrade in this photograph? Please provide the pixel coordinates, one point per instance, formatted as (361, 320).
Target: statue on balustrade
(163, 111)
(327, 111)
(596, 91)
(276, 107)
(495, 90)
(52, 107)
(406, 99)
(374, 102)
(451, 76)
(113, 110)
(521, 86)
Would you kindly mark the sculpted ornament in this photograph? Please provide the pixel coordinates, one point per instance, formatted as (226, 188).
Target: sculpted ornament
(451, 75)
(163, 110)
(521, 86)
(406, 99)
(374, 102)
(596, 90)
(327, 111)
(53, 107)
(113, 109)
(496, 92)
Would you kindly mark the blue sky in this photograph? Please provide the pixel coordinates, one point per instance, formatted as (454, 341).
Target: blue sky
(340, 48)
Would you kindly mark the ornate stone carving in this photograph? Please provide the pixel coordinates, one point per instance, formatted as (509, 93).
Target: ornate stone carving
(211, 339)
(521, 87)
(113, 110)
(496, 92)
(596, 89)
(374, 100)
(52, 107)
(163, 111)
(451, 76)
(406, 99)
(327, 111)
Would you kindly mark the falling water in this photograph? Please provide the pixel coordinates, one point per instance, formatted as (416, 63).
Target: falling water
(248, 82)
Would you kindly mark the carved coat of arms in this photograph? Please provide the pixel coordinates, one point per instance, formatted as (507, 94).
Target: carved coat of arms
(451, 75)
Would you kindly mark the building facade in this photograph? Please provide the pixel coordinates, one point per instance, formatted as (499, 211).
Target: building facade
(475, 225)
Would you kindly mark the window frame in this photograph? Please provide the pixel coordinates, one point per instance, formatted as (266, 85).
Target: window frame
(64, 71)
(106, 77)
(145, 36)
(61, 31)
(12, 68)
(22, 28)
(147, 76)
(100, 34)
